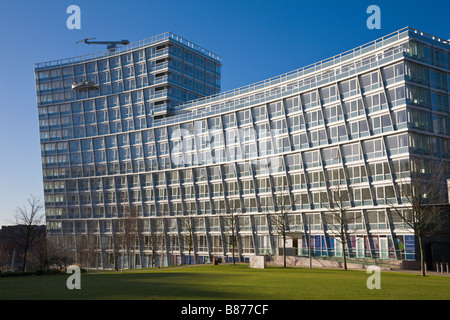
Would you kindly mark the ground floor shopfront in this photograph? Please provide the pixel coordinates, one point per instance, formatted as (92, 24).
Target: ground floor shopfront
(380, 247)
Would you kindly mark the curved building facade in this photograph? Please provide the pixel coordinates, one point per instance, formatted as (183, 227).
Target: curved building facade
(150, 164)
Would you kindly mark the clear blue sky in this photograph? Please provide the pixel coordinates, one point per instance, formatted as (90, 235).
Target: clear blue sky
(256, 40)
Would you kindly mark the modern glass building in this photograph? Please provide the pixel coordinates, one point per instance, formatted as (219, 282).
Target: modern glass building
(150, 142)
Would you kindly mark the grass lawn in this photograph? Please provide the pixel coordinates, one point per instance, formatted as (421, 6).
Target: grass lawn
(227, 282)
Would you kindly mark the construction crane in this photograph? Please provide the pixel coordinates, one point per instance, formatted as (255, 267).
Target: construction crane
(111, 45)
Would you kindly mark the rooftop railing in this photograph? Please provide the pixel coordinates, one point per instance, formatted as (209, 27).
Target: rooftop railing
(347, 55)
(128, 48)
(277, 92)
(350, 54)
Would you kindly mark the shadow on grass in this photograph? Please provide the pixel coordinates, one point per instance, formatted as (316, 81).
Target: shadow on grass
(157, 285)
(225, 282)
(152, 285)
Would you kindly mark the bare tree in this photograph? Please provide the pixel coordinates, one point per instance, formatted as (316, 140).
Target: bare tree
(424, 193)
(231, 227)
(115, 243)
(281, 211)
(41, 253)
(52, 255)
(188, 227)
(339, 216)
(28, 221)
(128, 234)
(156, 239)
(5, 259)
(86, 246)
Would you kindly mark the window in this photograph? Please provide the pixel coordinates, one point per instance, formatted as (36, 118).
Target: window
(79, 70)
(379, 171)
(396, 95)
(300, 141)
(333, 113)
(316, 179)
(296, 122)
(318, 137)
(439, 102)
(228, 120)
(279, 127)
(445, 147)
(309, 99)
(374, 148)
(294, 162)
(336, 176)
(417, 73)
(419, 51)
(422, 144)
(399, 118)
(420, 119)
(188, 56)
(275, 109)
(259, 113)
(338, 133)
(313, 118)
(393, 73)
(311, 159)
(262, 130)
(353, 108)
(418, 96)
(328, 94)
(292, 104)
(438, 80)
(126, 59)
(358, 129)
(375, 102)
(352, 152)
(214, 123)
(380, 123)
(297, 180)
(244, 117)
(441, 59)
(348, 88)
(369, 81)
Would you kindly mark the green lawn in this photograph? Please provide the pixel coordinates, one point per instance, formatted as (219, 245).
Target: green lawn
(227, 282)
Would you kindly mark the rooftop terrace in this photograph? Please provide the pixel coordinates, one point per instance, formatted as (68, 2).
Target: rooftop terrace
(321, 65)
(128, 48)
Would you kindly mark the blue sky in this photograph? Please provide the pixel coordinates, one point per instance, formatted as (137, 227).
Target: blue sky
(256, 40)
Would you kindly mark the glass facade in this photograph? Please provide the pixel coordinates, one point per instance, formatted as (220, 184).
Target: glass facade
(143, 142)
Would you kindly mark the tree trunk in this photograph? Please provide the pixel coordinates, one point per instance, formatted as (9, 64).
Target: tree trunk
(284, 250)
(27, 245)
(24, 268)
(343, 255)
(233, 241)
(422, 267)
(232, 248)
(343, 246)
(234, 261)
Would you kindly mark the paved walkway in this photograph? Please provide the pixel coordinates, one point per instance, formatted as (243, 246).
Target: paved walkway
(417, 272)
(428, 273)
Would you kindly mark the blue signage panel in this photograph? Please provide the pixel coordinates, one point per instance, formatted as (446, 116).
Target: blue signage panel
(410, 247)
